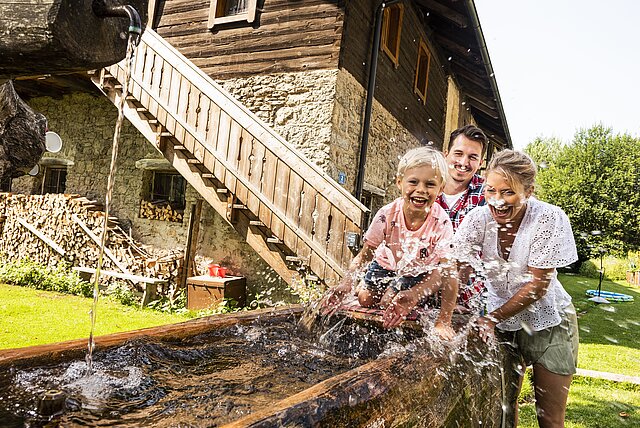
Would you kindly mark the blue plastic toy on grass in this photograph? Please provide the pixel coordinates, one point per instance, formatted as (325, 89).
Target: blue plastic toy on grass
(611, 296)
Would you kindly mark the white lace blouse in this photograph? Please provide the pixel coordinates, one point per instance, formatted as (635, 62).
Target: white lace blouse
(544, 240)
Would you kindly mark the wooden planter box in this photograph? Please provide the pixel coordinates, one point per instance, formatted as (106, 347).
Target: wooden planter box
(206, 292)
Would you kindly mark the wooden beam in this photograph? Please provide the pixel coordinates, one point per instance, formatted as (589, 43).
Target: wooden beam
(446, 12)
(58, 249)
(192, 241)
(97, 240)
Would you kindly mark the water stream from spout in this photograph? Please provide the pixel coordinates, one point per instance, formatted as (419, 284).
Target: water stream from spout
(128, 62)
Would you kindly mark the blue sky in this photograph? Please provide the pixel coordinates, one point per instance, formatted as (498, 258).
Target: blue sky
(562, 65)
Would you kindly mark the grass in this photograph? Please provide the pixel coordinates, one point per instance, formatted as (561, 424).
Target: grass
(594, 403)
(33, 317)
(609, 342)
(609, 334)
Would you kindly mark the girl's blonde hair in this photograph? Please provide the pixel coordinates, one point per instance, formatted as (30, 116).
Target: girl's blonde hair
(517, 167)
(424, 156)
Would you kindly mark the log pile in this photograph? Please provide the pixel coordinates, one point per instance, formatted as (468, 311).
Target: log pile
(160, 211)
(53, 228)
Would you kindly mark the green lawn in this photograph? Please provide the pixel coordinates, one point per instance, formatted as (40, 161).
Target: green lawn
(594, 403)
(27, 317)
(609, 334)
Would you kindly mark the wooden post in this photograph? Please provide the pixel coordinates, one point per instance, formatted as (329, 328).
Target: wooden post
(192, 241)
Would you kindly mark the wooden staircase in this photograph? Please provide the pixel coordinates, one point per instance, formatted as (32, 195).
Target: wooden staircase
(293, 215)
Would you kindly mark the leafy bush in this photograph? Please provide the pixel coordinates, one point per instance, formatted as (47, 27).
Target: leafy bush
(122, 294)
(28, 273)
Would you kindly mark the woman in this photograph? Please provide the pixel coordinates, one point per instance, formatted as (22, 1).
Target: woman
(517, 242)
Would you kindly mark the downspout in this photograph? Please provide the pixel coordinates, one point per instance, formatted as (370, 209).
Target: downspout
(484, 52)
(373, 66)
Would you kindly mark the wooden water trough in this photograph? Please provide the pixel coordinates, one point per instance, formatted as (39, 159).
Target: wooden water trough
(412, 389)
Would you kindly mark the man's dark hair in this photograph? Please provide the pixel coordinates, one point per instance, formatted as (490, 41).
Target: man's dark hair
(471, 132)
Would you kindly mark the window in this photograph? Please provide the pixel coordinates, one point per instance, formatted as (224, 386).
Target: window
(169, 188)
(55, 180)
(391, 29)
(224, 11)
(422, 72)
(5, 185)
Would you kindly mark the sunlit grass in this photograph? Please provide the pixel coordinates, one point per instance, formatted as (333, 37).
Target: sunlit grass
(33, 317)
(609, 334)
(594, 403)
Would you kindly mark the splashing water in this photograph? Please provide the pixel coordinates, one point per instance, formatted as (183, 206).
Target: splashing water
(131, 44)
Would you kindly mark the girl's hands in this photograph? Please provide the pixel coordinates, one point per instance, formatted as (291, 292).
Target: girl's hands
(334, 297)
(401, 305)
(445, 331)
(486, 328)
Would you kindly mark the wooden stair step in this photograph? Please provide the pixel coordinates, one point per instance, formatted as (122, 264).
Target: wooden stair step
(207, 175)
(193, 161)
(239, 206)
(274, 240)
(256, 223)
(222, 190)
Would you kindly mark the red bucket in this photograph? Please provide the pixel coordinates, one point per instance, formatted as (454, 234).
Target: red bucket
(222, 271)
(213, 269)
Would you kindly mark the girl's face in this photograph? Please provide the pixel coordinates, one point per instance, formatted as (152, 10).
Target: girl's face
(419, 187)
(505, 203)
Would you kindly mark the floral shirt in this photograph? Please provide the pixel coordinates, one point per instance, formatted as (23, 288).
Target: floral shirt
(408, 252)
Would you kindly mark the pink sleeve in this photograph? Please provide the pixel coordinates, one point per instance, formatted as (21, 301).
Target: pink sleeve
(376, 232)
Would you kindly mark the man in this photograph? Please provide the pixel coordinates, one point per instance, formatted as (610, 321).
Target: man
(464, 190)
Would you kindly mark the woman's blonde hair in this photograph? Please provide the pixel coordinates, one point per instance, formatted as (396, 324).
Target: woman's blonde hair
(424, 156)
(517, 167)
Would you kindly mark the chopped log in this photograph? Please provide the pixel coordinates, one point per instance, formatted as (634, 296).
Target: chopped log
(60, 36)
(22, 134)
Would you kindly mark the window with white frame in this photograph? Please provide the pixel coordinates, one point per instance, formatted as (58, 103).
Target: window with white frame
(225, 11)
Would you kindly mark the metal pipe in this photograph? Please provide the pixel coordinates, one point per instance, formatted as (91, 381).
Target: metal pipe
(373, 67)
(104, 10)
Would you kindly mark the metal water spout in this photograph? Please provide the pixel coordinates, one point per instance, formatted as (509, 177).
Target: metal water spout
(109, 9)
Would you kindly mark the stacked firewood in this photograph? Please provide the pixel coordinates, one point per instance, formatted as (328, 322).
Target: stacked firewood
(160, 211)
(53, 228)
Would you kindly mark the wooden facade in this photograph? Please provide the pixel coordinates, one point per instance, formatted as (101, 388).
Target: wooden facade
(394, 86)
(285, 37)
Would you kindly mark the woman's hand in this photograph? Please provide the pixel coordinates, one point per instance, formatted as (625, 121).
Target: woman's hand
(486, 328)
(401, 305)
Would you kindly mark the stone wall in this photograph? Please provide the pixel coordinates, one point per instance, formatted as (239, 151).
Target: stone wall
(85, 123)
(388, 139)
(298, 106)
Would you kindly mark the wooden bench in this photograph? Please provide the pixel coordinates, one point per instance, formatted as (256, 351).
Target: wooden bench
(150, 284)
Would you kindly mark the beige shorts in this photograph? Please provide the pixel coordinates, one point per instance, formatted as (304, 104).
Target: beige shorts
(555, 348)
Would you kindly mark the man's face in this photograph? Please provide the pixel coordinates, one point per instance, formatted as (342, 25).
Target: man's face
(464, 158)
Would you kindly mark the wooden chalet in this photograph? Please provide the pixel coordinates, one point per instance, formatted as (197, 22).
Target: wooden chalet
(276, 112)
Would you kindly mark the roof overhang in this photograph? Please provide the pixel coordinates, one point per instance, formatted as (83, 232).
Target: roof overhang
(455, 28)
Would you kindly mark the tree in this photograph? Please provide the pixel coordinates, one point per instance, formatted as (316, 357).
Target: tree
(596, 180)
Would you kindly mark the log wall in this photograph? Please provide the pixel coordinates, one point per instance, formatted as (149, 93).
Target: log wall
(286, 36)
(394, 86)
